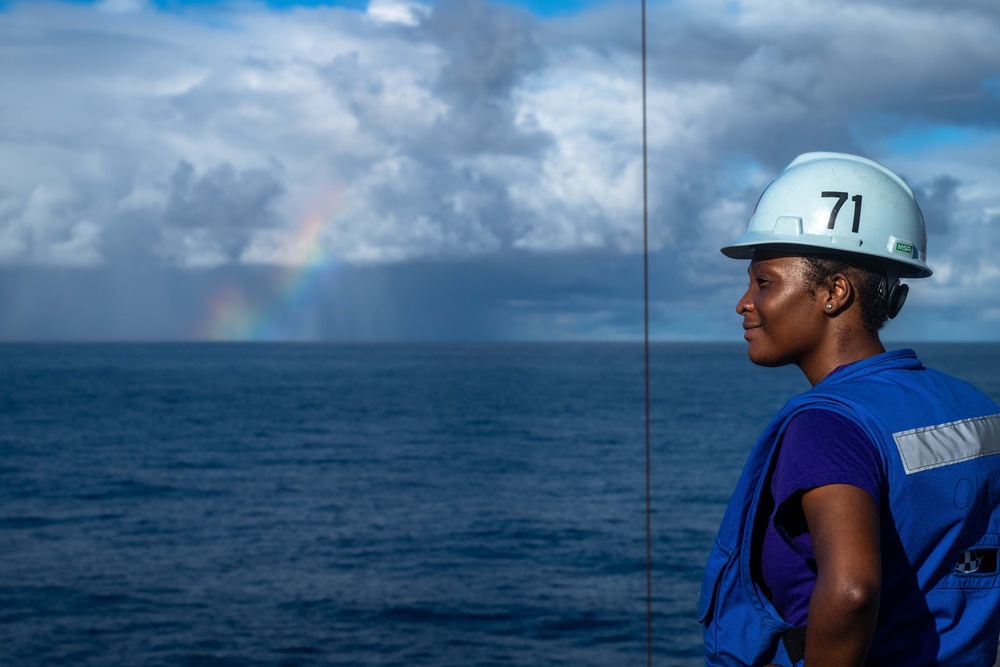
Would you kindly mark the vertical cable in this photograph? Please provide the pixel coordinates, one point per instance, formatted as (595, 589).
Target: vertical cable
(645, 306)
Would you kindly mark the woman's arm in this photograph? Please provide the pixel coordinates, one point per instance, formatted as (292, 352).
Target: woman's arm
(843, 522)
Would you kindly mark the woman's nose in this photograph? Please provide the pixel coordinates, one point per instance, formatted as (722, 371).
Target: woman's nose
(744, 305)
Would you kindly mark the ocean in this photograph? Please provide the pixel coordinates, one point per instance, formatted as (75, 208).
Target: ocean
(370, 504)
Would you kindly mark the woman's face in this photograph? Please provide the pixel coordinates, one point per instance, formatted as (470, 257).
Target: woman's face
(782, 317)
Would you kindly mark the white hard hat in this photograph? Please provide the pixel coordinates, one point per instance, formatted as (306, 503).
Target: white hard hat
(838, 203)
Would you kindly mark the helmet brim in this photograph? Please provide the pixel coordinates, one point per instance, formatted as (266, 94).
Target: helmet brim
(809, 244)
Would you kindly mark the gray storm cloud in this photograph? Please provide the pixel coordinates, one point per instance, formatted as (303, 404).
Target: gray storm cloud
(464, 131)
(220, 210)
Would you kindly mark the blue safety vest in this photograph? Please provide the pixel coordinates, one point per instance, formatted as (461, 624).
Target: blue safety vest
(940, 522)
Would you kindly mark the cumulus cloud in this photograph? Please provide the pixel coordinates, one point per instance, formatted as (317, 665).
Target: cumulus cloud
(394, 11)
(233, 135)
(216, 213)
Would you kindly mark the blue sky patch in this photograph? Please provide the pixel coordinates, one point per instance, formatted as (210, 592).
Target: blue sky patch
(898, 135)
(923, 137)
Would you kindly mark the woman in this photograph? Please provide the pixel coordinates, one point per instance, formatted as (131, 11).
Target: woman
(865, 527)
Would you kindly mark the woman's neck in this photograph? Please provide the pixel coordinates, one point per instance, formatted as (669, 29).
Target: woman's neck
(843, 349)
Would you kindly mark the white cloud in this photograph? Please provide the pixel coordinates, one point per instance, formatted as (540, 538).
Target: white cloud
(78, 248)
(194, 249)
(44, 227)
(396, 11)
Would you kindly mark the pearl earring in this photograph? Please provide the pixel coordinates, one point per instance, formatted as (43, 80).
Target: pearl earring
(829, 306)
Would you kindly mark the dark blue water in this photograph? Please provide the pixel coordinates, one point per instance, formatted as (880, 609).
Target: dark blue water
(369, 504)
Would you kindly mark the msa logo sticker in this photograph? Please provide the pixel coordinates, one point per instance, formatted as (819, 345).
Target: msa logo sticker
(905, 248)
(972, 561)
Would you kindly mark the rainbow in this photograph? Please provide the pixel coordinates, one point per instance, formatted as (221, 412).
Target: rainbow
(281, 311)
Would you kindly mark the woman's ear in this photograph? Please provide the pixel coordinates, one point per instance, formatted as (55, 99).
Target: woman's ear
(837, 295)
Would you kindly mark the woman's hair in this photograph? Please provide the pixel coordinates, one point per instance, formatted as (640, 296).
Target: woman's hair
(866, 278)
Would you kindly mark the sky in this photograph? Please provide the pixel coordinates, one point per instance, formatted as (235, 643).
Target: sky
(400, 170)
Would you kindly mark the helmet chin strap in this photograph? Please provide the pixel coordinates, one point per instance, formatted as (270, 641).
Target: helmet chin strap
(892, 291)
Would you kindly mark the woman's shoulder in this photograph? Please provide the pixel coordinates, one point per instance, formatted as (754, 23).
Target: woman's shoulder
(821, 447)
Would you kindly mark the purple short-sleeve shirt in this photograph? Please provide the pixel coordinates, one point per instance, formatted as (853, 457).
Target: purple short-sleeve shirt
(819, 447)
